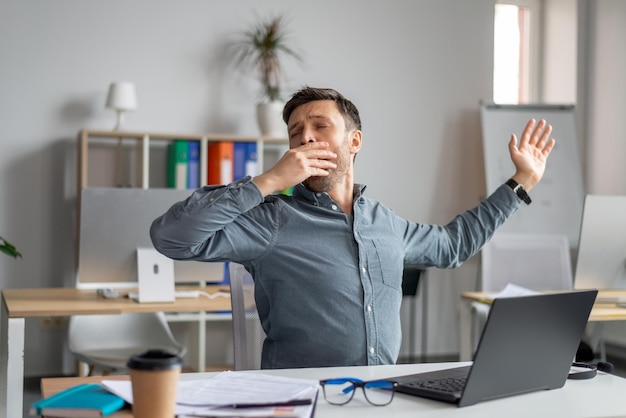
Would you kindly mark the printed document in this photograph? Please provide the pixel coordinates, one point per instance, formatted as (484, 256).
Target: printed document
(237, 394)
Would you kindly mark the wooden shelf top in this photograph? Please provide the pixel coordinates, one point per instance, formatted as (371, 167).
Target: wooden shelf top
(606, 308)
(41, 302)
(169, 136)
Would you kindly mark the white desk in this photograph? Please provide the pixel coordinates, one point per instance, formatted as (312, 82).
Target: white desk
(598, 397)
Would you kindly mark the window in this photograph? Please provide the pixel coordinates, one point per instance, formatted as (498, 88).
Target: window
(515, 62)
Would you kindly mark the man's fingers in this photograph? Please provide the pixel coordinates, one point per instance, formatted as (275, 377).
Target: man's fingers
(322, 163)
(527, 132)
(545, 137)
(513, 142)
(548, 148)
(535, 137)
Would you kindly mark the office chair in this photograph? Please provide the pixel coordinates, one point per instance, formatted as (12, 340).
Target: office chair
(248, 335)
(534, 261)
(410, 284)
(105, 342)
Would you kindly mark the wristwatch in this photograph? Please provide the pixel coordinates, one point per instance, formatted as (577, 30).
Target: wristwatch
(518, 189)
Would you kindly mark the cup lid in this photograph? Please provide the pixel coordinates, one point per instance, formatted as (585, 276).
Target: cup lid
(154, 360)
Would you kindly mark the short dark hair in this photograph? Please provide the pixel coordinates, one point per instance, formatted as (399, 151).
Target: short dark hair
(308, 94)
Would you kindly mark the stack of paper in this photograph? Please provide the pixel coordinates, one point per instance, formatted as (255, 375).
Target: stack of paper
(238, 394)
(513, 291)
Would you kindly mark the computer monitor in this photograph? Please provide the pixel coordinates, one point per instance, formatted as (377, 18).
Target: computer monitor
(114, 222)
(601, 262)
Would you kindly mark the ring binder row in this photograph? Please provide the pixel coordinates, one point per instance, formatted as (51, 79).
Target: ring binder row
(227, 161)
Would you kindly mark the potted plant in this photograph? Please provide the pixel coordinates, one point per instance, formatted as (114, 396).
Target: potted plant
(9, 249)
(261, 48)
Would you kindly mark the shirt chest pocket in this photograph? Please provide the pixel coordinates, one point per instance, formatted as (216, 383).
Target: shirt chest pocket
(385, 261)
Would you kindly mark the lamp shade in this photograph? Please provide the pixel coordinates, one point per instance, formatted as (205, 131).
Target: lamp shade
(122, 96)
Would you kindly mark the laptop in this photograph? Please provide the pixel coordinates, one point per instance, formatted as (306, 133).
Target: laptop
(528, 344)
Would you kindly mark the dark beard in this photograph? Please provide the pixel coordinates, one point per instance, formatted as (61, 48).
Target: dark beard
(319, 183)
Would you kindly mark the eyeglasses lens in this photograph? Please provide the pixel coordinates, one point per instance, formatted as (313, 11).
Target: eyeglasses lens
(338, 391)
(379, 392)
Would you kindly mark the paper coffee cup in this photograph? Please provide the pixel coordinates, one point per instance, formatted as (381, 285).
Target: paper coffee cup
(154, 377)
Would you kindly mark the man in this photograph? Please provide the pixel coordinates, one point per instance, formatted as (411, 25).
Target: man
(328, 261)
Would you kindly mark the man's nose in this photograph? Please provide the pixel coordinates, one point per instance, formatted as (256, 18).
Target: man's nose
(307, 136)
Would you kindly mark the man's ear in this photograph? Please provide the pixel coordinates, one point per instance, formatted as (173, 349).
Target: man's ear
(356, 140)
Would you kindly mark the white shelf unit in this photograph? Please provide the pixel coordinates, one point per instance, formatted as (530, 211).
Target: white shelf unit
(144, 142)
(138, 160)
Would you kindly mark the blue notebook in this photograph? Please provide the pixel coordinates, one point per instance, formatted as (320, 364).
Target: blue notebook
(85, 400)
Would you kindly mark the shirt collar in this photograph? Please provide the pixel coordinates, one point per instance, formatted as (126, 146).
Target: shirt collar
(323, 199)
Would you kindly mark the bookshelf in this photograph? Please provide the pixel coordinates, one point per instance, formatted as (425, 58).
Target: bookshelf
(137, 159)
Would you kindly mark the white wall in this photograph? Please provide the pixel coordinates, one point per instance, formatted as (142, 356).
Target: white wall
(416, 69)
(606, 133)
(559, 51)
(584, 63)
(600, 91)
(607, 98)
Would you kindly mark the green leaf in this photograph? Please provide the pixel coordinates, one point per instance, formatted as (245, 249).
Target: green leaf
(9, 249)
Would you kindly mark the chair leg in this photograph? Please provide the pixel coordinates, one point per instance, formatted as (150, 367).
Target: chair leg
(81, 369)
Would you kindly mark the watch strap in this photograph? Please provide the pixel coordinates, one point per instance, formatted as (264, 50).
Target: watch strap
(519, 190)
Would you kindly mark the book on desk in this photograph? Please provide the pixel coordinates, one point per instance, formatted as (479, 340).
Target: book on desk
(85, 400)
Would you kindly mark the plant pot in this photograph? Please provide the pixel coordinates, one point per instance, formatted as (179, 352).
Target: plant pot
(270, 119)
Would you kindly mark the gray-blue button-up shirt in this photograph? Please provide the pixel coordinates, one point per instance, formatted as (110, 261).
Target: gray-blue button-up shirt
(328, 286)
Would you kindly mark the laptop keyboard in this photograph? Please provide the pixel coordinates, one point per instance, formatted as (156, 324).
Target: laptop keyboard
(449, 384)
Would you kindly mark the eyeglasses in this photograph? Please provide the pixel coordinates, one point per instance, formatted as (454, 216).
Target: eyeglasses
(340, 391)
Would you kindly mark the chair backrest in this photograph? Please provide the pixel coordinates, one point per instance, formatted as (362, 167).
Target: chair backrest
(248, 335)
(534, 261)
(107, 341)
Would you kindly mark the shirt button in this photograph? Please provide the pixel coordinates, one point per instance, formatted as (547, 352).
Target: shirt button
(372, 350)
(318, 194)
(333, 207)
(364, 270)
(369, 308)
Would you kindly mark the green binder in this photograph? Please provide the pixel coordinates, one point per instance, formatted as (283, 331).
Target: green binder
(177, 164)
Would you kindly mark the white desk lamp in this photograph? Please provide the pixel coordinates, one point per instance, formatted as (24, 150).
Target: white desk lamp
(122, 98)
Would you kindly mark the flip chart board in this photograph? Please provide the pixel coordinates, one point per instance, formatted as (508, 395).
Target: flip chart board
(558, 199)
